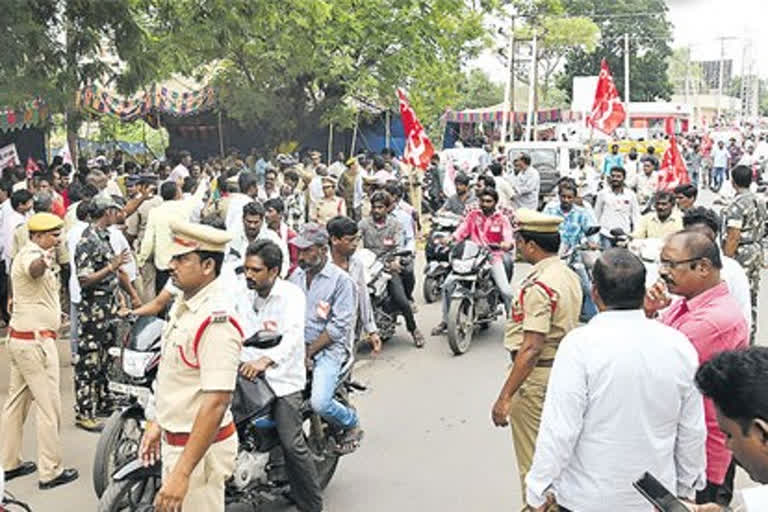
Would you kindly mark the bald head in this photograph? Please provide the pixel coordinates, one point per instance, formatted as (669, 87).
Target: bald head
(619, 278)
(696, 245)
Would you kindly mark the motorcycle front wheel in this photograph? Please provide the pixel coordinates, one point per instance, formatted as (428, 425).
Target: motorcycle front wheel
(431, 289)
(461, 319)
(130, 495)
(118, 444)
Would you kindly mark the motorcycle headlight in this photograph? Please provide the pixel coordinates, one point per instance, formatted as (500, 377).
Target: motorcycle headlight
(461, 266)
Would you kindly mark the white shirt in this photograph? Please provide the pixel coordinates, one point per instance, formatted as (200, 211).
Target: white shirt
(239, 244)
(506, 191)
(119, 243)
(646, 186)
(316, 189)
(282, 311)
(738, 284)
(614, 210)
(234, 220)
(621, 400)
(178, 173)
(11, 220)
(73, 237)
(720, 157)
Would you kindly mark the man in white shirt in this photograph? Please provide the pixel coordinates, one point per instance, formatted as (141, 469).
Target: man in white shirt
(254, 229)
(279, 306)
(621, 401)
(21, 207)
(647, 182)
(73, 237)
(503, 186)
(526, 183)
(248, 190)
(720, 158)
(181, 171)
(616, 207)
(707, 222)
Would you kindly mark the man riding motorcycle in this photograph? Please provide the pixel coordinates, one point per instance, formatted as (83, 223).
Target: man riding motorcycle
(485, 225)
(278, 306)
(573, 230)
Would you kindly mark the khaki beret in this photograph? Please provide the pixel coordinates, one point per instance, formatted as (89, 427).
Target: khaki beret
(535, 222)
(44, 222)
(189, 237)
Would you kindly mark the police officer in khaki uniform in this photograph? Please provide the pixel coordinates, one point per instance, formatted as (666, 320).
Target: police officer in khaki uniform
(200, 355)
(34, 359)
(545, 310)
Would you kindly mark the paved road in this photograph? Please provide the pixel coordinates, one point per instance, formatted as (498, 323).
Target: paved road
(429, 444)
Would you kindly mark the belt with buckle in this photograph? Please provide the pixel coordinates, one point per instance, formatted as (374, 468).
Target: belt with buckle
(180, 439)
(31, 335)
(541, 363)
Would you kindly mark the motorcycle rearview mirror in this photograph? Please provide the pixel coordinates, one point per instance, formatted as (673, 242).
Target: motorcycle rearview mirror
(264, 340)
(617, 232)
(593, 230)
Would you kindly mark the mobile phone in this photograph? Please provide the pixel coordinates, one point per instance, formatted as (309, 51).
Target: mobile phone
(658, 495)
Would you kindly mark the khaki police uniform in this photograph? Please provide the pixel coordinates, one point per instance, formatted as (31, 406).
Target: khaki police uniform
(549, 302)
(34, 359)
(200, 352)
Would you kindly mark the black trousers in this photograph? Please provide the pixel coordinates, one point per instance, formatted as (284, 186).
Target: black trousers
(722, 494)
(299, 466)
(4, 315)
(161, 276)
(398, 290)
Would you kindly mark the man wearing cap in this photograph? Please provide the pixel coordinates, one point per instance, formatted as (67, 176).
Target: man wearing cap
(329, 321)
(98, 272)
(546, 309)
(351, 189)
(329, 206)
(34, 359)
(200, 355)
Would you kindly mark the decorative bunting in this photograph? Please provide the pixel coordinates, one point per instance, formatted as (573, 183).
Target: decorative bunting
(31, 113)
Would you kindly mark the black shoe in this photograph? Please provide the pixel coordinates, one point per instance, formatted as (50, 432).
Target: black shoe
(24, 469)
(66, 476)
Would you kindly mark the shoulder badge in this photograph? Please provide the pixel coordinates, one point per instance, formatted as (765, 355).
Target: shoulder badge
(219, 317)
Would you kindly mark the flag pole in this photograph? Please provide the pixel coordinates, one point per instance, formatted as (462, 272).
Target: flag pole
(626, 81)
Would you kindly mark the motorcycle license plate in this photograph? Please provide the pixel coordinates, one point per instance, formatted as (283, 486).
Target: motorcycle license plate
(127, 389)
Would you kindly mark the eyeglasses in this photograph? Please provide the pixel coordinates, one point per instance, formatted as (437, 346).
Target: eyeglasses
(672, 265)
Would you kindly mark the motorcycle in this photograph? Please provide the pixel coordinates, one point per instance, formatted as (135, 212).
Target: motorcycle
(581, 258)
(130, 375)
(476, 300)
(259, 475)
(438, 255)
(385, 312)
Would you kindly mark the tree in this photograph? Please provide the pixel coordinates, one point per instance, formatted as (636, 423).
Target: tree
(476, 90)
(679, 66)
(292, 65)
(650, 35)
(52, 48)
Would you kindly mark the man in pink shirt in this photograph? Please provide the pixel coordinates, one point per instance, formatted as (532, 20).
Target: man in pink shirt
(484, 226)
(711, 319)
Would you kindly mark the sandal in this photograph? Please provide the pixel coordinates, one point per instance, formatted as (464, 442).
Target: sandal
(439, 329)
(350, 440)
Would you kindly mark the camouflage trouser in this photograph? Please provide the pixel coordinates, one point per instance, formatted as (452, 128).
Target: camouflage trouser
(95, 336)
(753, 275)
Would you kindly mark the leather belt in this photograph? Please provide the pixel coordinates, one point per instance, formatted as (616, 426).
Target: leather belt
(541, 363)
(181, 438)
(31, 335)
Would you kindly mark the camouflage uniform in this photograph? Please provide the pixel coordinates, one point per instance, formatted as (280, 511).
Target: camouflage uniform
(747, 213)
(98, 307)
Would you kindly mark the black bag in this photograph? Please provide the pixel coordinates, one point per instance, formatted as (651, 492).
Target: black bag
(251, 398)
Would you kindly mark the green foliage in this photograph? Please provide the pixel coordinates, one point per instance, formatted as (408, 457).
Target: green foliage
(650, 35)
(679, 65)
(292, 65)
(476, 90)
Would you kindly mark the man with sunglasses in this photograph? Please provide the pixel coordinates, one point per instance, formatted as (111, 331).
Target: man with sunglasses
(711, 318)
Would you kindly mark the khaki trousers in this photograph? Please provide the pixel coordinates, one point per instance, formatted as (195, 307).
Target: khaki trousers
(34, 376)
(524, 418)
(206, 483)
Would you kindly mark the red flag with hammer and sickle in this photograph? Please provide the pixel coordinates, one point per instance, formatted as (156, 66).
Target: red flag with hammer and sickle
(418, 148)
(607, 111)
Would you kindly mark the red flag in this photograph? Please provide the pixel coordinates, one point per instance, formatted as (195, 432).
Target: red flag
(31, 167)
(418, 148)
(672, 172)
(607, 111)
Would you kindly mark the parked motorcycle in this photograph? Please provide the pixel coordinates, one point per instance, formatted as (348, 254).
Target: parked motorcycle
(377, 275)
(259, 475)
(131, 373)
(438, 255)
(476, 301)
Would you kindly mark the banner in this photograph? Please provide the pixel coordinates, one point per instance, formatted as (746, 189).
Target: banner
(9, 156)
(418, 147)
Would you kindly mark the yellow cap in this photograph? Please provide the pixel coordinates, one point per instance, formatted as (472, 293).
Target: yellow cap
(535, 222)
(189, 237)
(44, 222)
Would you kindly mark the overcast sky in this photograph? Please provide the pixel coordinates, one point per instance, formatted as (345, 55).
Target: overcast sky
(699, 23)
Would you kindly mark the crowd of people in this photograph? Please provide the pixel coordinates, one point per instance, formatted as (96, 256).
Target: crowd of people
(241, 244)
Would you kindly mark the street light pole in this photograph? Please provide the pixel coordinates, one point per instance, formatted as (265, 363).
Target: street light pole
(508, 92)
(626, 82)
